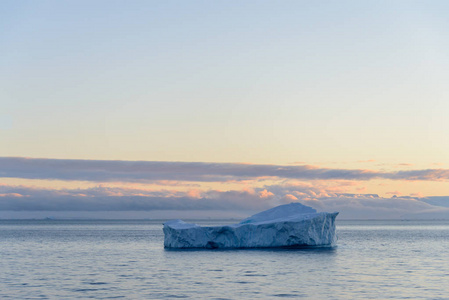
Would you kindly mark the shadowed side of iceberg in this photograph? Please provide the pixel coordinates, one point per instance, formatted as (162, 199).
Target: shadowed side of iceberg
(287, 225)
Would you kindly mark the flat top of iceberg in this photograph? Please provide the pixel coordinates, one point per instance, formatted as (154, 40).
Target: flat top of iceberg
(180, 224)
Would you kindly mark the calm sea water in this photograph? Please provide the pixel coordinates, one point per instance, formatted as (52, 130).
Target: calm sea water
(126, 259)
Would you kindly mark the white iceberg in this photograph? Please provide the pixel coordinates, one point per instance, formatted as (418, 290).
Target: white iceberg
(290, 225)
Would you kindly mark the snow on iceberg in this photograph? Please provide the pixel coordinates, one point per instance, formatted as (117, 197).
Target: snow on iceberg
(289, 225)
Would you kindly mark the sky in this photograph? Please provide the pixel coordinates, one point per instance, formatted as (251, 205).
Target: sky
(160, 109)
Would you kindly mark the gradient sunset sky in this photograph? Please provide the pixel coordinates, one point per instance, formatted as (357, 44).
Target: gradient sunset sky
(166, 109)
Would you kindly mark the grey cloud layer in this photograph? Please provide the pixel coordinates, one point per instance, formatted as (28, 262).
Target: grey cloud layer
(21, 199)
(141, 171)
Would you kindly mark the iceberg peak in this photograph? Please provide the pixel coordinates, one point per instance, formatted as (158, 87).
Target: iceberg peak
(286, 211)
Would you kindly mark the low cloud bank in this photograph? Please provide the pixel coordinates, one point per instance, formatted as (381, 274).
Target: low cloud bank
(350, 206)
(122, 199)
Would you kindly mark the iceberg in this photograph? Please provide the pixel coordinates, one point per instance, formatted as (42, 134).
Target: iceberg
(291, 225)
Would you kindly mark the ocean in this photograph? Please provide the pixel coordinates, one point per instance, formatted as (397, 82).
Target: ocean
(108, 259)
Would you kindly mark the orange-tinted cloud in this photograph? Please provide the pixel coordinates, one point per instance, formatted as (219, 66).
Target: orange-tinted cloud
(123, 199)
(394, 193)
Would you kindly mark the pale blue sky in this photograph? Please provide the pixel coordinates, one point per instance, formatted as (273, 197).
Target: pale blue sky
(358, 89)
(252, 81)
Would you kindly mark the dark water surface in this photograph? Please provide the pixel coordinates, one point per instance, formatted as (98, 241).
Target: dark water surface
(55, 259)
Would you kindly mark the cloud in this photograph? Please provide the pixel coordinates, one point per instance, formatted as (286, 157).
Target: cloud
(394, 193)
(375, 207)
(427, 175)
(437, 200)
(20, 198)
(118, 199)
(360, 206)
(151, 171)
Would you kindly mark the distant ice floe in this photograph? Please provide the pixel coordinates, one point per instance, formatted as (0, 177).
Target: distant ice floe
(289, 225)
